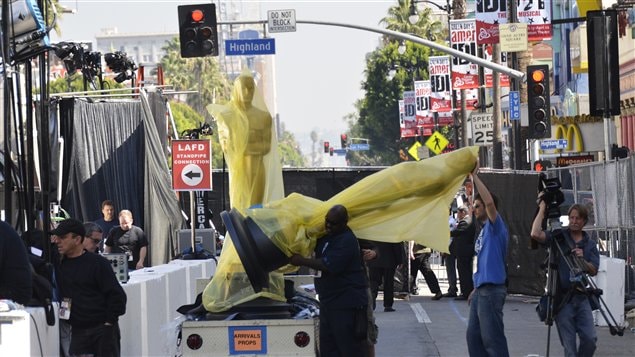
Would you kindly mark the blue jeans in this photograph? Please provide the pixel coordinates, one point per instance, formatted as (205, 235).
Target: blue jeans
(485, 329)
(575, 317)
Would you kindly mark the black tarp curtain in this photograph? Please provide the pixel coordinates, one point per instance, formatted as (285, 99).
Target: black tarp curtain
(517, 192)
(113, 150)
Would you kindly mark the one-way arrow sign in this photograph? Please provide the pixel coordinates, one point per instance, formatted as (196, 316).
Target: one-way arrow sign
(191, 175)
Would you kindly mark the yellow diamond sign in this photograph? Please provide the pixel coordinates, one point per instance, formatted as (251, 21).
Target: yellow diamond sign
(437, 142)
(413, 150)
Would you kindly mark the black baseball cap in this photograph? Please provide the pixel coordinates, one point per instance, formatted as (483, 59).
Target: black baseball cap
(69, 226)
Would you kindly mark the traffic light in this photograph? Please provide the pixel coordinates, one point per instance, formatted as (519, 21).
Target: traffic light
(326, 147)
(542, 165)
(343, 139)
(331, 151)
(197, 30)
(538, 102)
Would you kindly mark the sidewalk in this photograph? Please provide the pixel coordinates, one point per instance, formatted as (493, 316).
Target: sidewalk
(423, 327)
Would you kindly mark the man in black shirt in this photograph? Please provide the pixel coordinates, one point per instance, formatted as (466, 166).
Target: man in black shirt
(91, 298)
(129, 239)
(108, 221)
(15, 270)
(342, 288)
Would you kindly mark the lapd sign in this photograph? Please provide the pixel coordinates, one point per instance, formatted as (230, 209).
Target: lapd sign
(281, 20)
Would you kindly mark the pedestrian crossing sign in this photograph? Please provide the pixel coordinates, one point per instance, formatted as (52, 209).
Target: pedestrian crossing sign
(437, 142)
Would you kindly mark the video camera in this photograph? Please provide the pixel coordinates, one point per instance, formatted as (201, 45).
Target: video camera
(551, 195)
(203, 129)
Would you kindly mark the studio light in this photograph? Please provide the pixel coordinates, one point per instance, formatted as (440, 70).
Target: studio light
(121, 64)
(27, 30)
(71, 54)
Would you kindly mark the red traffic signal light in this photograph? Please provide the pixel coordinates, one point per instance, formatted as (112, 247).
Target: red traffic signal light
(538, 102)
(326, 147)
(344, 140)
(331, 151)
(542, 165)
(197, 30)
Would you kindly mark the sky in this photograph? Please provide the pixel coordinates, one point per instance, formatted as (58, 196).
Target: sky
(318, 69)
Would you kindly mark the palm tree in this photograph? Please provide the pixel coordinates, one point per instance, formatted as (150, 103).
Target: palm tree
(199, 74)
(426, 27)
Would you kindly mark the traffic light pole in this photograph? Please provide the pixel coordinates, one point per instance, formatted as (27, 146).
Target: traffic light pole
(407, 37)
(515, 86)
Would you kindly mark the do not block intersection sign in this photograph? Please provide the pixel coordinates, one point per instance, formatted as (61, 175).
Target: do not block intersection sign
(191, 165)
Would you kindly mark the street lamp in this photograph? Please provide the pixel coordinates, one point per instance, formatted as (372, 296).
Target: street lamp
(391, 73)
(414, 14)
(402, 47)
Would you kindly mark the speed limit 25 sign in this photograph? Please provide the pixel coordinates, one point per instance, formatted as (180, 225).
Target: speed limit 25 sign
(482, 129)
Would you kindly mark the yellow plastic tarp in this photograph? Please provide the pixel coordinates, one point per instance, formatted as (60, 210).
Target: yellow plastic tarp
(247, 136)
(408, 201)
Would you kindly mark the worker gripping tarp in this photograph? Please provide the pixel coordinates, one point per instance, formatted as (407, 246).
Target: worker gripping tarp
(408, 201)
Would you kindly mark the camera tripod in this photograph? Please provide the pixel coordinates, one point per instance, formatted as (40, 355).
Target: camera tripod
(584, 283)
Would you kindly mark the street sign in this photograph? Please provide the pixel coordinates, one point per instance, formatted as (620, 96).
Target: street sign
(553, 144)
(482, 128)
(514, 105)
(513, 37)
(414, 150)
(281, 20)
(191, 165)
(252, 47)
(359, 147)
(339, 152)
(437, 142)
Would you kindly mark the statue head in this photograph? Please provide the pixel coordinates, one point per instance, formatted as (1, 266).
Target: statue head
(243, 92)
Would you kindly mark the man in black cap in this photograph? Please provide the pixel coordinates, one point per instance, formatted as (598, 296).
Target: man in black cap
(91, 298)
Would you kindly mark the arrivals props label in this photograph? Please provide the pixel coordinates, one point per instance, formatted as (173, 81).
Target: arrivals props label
(441, 96)
(463, 39)
(489, 14)
(537, 16)
(425, 118)
(489, 74)
(409, 126)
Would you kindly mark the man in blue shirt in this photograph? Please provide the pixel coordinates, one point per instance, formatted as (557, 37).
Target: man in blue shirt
(342, 287)
(574, 315)
(485, 328)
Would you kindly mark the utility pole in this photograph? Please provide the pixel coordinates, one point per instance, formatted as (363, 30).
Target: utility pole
(497, 145)
(515, 86)
(460, 121)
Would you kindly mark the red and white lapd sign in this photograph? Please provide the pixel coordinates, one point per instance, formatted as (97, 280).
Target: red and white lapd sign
(191, 165)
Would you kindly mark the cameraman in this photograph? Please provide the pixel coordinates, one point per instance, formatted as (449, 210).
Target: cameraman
(571, 304)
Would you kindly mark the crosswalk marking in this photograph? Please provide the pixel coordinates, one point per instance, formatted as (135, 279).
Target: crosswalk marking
(420, 313)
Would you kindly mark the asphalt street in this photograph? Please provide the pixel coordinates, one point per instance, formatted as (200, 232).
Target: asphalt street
(423, 327)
